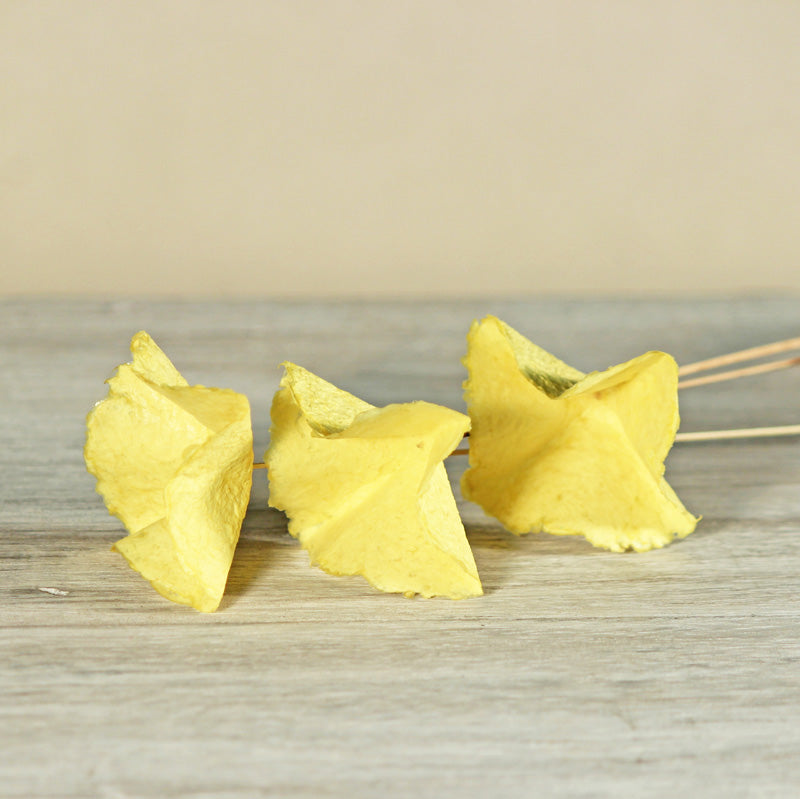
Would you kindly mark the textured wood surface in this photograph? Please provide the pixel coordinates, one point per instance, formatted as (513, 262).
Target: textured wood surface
(580, 673)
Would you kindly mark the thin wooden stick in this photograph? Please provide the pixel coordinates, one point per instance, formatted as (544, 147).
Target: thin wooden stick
(742, 355)
(745, 432)
(719, 435)
(701, 435)
(745, 371)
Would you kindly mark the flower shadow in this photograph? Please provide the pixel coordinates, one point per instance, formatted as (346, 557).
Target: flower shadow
(263, 530)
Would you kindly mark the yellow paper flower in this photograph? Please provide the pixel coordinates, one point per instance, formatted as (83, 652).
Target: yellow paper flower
(366, 490)
(174, 463)
(553, 449)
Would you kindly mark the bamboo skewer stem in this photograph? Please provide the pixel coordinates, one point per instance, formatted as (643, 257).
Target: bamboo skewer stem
(745, 432)
(745, 371)
(700, 435)
(749, 354)
(719, 435)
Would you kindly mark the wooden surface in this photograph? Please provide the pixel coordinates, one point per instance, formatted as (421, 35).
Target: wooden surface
(580, 673)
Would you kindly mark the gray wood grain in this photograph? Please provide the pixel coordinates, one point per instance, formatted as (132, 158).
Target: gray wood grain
(581, 673)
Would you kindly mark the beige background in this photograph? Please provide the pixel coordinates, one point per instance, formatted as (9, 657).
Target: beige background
(343, 148)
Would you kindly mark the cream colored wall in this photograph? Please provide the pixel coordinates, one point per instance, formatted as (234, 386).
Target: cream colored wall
(441, 147)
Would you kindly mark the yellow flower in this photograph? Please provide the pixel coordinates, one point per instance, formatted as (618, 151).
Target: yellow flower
(555, 450)
(174, 463)
(366, 490)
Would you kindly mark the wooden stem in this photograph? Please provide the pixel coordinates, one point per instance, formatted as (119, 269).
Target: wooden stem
(745, 432)
(745, 371)
(742, 355)
(720, 435)
(701, 435)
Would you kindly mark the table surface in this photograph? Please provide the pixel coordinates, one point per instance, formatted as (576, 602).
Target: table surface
(580, 673)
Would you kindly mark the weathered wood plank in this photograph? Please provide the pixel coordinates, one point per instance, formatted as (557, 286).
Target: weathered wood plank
(580, 673)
